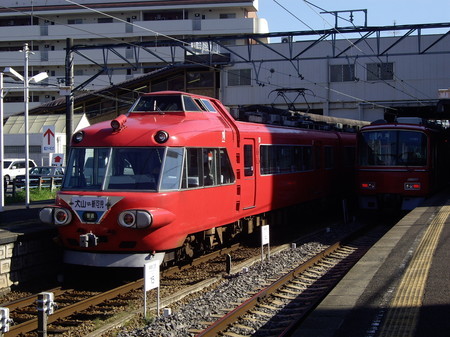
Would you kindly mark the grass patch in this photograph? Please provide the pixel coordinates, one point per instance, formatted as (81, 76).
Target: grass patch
(35, 195)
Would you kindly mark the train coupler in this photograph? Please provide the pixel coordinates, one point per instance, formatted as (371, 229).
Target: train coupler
(88, 240)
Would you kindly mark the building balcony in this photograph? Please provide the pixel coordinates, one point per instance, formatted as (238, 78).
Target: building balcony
(89, 32)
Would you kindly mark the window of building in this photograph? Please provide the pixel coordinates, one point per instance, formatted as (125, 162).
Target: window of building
(380, 71)
(342, 73)
(227, 16)
(75, 21)
(161, 15)
(199, 79)
(104, 20)
(238, 77)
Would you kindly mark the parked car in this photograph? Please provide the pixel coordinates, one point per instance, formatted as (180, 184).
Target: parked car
(14, 167)
(41, 176)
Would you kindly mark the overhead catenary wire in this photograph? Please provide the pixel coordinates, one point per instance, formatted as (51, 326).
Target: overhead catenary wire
(310, 4)
(202, 64)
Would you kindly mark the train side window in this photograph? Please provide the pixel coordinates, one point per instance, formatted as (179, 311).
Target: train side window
(329, 157)
(172, 169)
(189, 104)
(307, 158)
(349, 156)
(248, 160)
(318, 157)
(194, 178)
(206, 167)
(226, 171)
(200, 104)
(209, 167)
(208, 105)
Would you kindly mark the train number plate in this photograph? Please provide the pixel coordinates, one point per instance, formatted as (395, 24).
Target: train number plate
(90, 203)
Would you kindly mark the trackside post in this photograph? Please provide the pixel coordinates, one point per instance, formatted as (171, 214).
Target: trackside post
(265, 240)
(151, 281)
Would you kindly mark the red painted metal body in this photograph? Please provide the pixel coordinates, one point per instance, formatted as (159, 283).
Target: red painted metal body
(398, 165)
(182, 211)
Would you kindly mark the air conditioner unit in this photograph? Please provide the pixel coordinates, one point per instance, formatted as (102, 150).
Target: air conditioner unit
(197, 15)
(47, 46)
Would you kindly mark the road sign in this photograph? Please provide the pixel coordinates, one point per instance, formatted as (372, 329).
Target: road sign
(48, 139)
(57, 159)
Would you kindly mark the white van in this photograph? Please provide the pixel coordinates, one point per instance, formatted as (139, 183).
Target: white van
(14, 167)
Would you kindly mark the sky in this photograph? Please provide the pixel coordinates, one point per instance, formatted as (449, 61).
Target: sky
(299, 15)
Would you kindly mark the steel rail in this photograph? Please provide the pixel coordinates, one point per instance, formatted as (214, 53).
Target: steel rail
(221, 324)
(69, 310)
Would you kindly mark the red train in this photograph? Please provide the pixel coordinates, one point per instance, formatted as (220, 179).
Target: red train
(178, 175)
(401, 163)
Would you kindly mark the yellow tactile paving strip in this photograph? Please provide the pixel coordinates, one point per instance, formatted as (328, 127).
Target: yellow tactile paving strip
(403, 312)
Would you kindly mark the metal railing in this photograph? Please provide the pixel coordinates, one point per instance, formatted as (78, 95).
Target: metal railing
(39, 183)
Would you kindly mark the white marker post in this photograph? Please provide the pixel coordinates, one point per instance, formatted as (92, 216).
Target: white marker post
(151, 281)
(265, 240)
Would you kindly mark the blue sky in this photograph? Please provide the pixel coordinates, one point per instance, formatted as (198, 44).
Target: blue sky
(304, 16)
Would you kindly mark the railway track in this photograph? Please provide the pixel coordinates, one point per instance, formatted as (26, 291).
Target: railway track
(71, 302)
(80, 309)
(280, 306)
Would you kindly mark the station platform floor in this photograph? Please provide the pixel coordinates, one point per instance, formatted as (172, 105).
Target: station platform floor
(401, 287)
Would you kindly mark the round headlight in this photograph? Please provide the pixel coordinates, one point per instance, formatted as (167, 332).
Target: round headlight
(78, 137)
(127, 219)
(161, 137)
(62, 216)
(118, 123)
(135, 219)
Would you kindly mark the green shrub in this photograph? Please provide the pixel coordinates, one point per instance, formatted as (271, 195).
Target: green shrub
(35, 195)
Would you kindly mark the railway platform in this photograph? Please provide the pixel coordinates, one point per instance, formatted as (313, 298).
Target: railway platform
(401, 287)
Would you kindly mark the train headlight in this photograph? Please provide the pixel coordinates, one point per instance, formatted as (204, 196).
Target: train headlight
(118, 123)
(78, 137)
(161, 136)
(135, 219)
(55, 216)
(61, 216)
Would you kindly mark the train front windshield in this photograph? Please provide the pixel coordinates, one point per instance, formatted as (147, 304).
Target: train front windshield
(392, 148)
(99, 169)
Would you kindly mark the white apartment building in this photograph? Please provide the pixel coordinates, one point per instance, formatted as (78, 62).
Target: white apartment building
(46, 25)
(357, 85)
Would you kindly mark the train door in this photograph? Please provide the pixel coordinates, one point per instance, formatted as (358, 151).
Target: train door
(248, 180)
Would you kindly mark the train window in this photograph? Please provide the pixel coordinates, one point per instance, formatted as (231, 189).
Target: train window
(329, 157)
(392, 148)
(349, 156)
(206, 167)
(226, 171)
(307, 158)
(200, 104)
(172, 169)
(194, 177)
(189, 104)
(162, 103)
(248, 160)
(208, 105)
(210, 167)
(276, 159)
(86, 168)
(134, 169)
